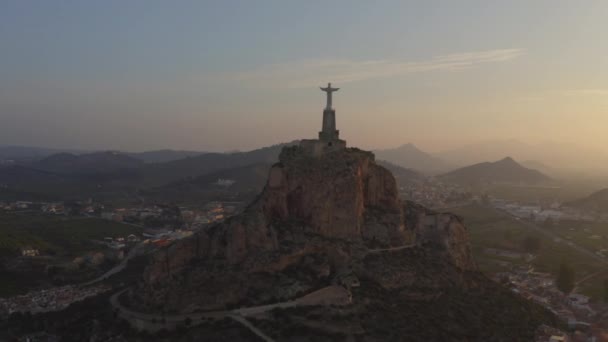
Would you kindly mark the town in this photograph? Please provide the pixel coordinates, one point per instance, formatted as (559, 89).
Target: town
(156, 226)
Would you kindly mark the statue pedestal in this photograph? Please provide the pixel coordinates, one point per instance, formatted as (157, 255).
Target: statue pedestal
(328, 130)
(318, 147)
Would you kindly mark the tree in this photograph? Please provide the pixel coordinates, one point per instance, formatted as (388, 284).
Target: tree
(605, 290)
(565, 278)
(532, 244)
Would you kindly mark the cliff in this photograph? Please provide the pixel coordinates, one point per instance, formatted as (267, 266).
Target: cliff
(344, 195)
(335, 221)
(330, 210)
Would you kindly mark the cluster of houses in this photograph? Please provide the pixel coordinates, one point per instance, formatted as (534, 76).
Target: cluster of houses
(53, 299)
(553, 212)
(574, 309)
(435, 194)
(212, 212)
(58, 208)
(192, 217)
(164, 237)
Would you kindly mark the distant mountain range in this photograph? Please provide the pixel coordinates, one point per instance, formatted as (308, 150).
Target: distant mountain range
(411, 157)
(402, 175)
(87, 164)
(554, 155)
(505, 170)
(537, 165)
(81, 173)
(163, 156)
(108, 174)
(27, 153)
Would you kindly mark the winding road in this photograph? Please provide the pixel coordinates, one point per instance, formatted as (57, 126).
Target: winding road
(333, 294)
(154, 322)
(119, 267)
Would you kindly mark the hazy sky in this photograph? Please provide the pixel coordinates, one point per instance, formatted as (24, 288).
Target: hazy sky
(219, 75)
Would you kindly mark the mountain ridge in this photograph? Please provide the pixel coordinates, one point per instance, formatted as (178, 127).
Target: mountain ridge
(503, 170)
(411, 157)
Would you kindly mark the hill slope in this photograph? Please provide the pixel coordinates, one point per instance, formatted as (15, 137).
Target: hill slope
(409, 156)
(249, 181)
(561, 155)
(91, 164)
(597, 201)
(505, 170)
(27, 153)
(164, 173)
(118, 174)
(402, 175)
(163, 156)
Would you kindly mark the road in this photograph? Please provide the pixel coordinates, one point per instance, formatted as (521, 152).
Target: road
(333, 294)
(154, 322)
(251, 327)
(119, 267)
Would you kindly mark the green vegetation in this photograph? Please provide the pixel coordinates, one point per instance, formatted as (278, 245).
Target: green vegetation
(55, 235)
(591, 235)
(15, 283)
(532, 244)
(489, 228)
(565, 278)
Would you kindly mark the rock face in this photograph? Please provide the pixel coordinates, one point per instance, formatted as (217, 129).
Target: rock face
(331, 194)
(330, 234)
(316, 216)
(343, 195)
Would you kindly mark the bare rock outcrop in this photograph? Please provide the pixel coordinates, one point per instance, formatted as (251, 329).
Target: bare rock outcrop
(330, 209)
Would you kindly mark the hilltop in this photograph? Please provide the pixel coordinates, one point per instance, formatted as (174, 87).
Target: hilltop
(505, 170)
(327, 223)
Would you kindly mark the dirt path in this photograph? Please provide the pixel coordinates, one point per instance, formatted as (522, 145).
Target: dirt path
(153, 322)
(251, 327)
(380, 250)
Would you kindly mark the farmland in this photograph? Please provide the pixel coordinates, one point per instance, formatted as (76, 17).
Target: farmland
(55, 235)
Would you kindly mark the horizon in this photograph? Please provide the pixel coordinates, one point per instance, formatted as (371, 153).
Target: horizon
(471, 143)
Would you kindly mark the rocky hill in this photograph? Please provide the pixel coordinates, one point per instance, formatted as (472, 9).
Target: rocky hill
(337, 221)
(505, 170)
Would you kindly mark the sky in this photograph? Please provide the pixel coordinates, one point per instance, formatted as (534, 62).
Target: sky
(225, 75)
